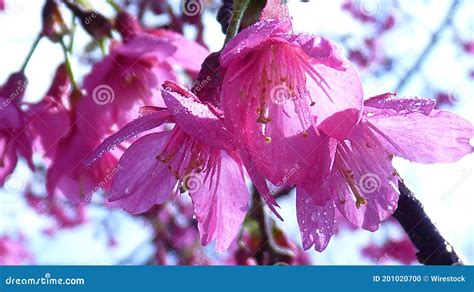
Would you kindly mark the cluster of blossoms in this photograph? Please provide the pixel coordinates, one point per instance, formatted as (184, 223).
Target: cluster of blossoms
(284, 101)
(274, 107)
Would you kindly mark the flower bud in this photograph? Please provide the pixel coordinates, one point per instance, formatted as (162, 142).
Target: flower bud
(97, 25)
(53, 23)
(15, 87)
(127, 25)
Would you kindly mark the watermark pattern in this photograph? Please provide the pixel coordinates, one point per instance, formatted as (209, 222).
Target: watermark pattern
(192, 7)
(14, 184)
(90, 18)
(103, 94)
(369, 7)
(20, 88)
(108, 178)
(198, 85)
(288, 174)
(192, 182)
(381, 260)
(460, 93)
(280, 94)
(369, 183)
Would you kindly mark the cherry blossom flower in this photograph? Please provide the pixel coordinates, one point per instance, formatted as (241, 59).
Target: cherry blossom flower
(15, 138)
(116, 88)
(130, 76)
(159, 165)
(13, 251)
(280, 90)
(51, 110)
(362, 183)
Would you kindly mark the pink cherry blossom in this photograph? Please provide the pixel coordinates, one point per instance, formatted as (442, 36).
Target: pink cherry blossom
(158, 166)
(13, 251)
(117, 86)
(280, 90)
(130, 77)
(362, 183)
(52, 110)
(15, 137)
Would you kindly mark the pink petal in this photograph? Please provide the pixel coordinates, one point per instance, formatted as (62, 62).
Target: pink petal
(365, 164)
(146, 46)
(188, 54)
(339, 104)
(132, 129)
(44, 114)
(389, 101)
(196, 118)
(10, 115)
(315, 213)
(142, 180)
(314, 202)
(260, 184)
(252, 37)
(9, 159)
(69, 175)
(439, 137)
(320, 50)
(220, 204)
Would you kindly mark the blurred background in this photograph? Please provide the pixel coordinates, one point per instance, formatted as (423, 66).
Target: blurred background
(418, 48)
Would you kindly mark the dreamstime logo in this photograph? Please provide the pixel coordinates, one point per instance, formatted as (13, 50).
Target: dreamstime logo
(108, 178)
(200, 84)
(280, 94)
(90, 18)
(47, 279)
(461, 92)
(103, 94)
(21, 87)
(14, 184)
(369, 183)
(192, 182)
(192, 7)
(369, 7)
(288, 174)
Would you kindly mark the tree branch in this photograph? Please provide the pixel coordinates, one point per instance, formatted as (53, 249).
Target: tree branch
(269, 252)
(433, 249)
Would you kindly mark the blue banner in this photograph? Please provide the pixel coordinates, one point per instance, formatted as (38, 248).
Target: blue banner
(274, 278)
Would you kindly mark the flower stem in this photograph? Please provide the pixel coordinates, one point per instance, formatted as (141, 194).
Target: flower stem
(68, 64)
(30, 53)
(239, 9)
(72, 34)
(114, 5)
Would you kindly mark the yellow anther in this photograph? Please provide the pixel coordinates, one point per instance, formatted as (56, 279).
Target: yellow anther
(360, 201)
(268, 139)
(349, 176)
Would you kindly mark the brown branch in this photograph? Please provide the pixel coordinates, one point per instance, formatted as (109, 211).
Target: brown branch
(433, 249)
(268, 252)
